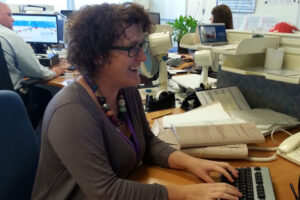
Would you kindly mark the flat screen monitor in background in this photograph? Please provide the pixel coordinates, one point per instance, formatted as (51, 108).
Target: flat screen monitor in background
(60, 29)
(39, 30)
(212, 34)
(154, 17)
(67, 13)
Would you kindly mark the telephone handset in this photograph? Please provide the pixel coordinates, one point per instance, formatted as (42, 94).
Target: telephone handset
(290, 148)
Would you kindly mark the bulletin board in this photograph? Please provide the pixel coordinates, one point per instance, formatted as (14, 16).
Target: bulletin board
(241, 6)
(281, 2)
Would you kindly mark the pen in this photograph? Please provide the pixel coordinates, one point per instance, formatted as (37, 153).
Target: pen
(299, 188)
(294, 192)
(164, 114)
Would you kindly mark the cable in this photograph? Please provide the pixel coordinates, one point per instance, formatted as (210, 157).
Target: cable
(273, 157)
(268, 159)
(52, 51)
(278, 128)
(262, 148)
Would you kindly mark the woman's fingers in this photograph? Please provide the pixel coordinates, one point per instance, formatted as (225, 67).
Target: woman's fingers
(226, 191)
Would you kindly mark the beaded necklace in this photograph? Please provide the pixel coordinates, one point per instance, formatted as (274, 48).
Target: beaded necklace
(122, 115)
(117, 121)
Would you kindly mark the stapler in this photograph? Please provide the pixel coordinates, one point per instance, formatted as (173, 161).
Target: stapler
(163, 101)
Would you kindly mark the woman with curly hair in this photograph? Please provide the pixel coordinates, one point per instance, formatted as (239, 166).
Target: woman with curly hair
(95, 132)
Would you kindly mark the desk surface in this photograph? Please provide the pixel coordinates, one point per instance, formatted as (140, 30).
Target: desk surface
(66, 79)
(282, 171)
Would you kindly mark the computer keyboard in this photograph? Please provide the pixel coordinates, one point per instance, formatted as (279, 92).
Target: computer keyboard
(254, 183)
(175, 62)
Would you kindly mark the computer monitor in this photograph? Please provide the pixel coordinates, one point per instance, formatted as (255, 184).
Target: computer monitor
(154, 17)
(67, 13)
(39, 30)
(213, 34)
(60, 29)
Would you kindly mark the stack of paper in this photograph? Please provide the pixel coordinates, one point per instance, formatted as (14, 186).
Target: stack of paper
(212, 126)
(266, 120)
(220, 134)
(191, 81)
(235, 104)
(203, 114)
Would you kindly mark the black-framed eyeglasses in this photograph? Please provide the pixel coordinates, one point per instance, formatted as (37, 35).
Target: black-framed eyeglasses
(135, 49)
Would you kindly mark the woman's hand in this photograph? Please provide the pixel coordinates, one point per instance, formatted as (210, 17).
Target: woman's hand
(202, 168)
(207, 191)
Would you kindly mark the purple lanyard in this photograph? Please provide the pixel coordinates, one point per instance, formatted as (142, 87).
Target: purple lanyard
(136, 145)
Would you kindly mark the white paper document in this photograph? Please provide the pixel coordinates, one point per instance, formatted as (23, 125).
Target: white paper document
(191, 80)
(265, 119)
(231, 98)
(197, 116)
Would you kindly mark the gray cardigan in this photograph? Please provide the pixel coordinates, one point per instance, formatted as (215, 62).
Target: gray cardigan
(83, 156)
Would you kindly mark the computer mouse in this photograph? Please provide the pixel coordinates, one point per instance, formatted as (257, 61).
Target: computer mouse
(71, 68)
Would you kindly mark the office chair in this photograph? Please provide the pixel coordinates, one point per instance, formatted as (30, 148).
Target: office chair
(19, 152)
(26, 90)
(5, 81)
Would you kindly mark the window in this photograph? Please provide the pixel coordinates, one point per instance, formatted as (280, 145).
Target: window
(80, 3)
(58, 4)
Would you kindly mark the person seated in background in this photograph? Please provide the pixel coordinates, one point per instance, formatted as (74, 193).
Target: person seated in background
(22, 62)
(95, 132)
(219, 14)
(222, 14)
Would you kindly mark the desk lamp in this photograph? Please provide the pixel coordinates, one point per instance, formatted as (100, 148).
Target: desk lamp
(203, 59)
(159, 44)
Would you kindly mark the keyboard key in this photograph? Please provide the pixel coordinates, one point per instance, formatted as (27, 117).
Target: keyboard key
(175, 62)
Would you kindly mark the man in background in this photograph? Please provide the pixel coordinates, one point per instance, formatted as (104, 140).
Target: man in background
(22, 62)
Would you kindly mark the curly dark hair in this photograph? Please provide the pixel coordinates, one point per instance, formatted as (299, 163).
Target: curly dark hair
(93, 29)
(222, 14)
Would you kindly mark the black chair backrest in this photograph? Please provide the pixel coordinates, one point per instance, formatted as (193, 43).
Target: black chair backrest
(19, 151)
(5, 80)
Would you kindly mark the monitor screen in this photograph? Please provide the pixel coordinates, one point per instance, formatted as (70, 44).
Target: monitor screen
(36, 28)
(212, 33)
(154, 17)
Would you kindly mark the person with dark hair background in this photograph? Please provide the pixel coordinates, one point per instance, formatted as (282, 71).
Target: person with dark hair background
(222, 14)
(219, 14)
(95, 132)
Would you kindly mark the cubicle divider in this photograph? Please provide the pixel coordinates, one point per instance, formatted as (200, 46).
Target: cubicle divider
(244, 66)
(263, 93)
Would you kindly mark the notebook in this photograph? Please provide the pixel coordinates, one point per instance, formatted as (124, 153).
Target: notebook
(213, 34)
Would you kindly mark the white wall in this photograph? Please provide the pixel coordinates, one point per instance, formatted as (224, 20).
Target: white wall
(285, 12)
(169, 9)
(145, 3)
(200, 9)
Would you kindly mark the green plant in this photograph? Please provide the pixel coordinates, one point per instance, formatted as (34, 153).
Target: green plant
(182, 26)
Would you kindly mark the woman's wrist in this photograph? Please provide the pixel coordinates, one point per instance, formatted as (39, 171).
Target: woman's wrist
(176, 192)
(180, 160)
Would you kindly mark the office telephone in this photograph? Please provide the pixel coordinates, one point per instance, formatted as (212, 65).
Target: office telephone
(290, 148)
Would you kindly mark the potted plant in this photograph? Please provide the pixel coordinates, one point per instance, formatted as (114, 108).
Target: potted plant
(182, 26)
